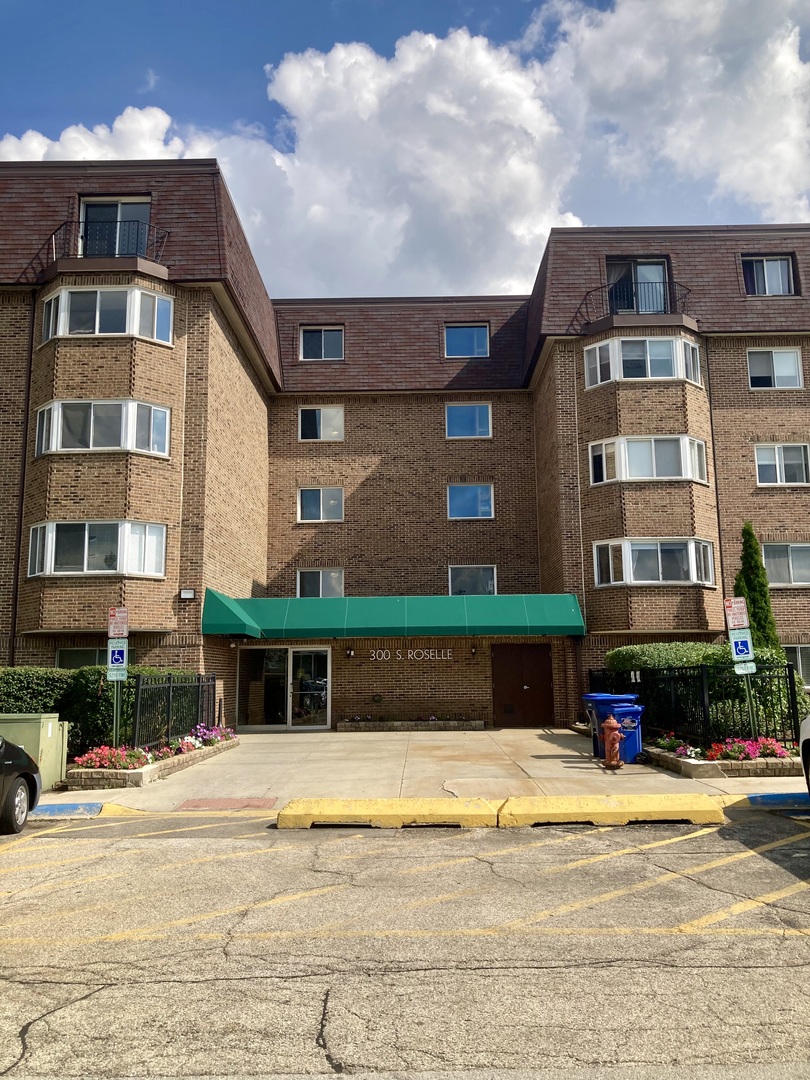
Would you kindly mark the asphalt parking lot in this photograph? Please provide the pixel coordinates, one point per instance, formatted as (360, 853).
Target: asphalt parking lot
(213, 944)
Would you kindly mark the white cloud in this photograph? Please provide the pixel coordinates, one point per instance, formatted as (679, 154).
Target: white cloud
(150, 81)
(715, 89)
(441, 169)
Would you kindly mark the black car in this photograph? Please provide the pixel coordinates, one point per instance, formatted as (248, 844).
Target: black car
(21, 786)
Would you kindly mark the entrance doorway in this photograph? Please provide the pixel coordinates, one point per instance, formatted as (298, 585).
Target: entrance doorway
(522, 686)
(284, 689)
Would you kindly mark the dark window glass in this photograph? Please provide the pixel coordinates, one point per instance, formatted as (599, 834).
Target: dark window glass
(310, 504)
(598, 465)
(68, 554)
(82, 312)
(76, 425)
(112, 313)
(142, 424)
(310, 423)
(309, 583)
(102, 546)
(106, 425)
(634, 359)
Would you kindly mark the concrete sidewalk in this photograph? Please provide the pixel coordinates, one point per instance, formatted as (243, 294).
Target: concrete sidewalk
(493, 765)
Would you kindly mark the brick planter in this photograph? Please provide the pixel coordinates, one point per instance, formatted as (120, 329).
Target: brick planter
(412, 725)
(704, 770)
(97, 779)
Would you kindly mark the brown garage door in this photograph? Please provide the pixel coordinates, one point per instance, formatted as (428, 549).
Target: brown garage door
(522, 690)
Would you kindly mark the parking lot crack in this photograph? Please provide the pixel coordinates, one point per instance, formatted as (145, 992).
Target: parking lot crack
(24, 1031)
(334, 1063)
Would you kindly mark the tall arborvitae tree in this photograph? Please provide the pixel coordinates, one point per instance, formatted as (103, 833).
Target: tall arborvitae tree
(752, 583)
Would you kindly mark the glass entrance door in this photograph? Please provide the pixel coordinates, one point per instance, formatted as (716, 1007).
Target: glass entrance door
(309, 689)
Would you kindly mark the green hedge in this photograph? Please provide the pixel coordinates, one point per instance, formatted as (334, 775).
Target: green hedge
(669, 654)
(82, 697)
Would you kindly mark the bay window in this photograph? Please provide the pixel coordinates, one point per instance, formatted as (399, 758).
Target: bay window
(102, 425)
(665, 457)
(654, 562)
(122, 311)
(97, 547)
(642, 358)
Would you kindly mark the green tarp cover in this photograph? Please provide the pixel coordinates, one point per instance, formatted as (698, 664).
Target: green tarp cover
(307, 618)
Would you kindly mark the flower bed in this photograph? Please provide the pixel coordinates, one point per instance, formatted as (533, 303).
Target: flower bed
(733, 757)
(118, 767)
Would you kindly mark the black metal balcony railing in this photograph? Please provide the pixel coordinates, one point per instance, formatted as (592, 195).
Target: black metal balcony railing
(107, 240)
(631, 298)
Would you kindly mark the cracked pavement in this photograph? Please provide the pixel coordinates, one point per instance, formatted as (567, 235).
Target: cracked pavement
(191, 945)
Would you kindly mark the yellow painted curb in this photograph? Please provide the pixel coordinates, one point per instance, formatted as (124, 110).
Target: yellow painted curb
(610, 809)
(388, 813)
(110, 809)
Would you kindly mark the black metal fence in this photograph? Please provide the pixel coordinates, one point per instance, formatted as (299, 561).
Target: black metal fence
(170, 706)
(708, 703)
(107, 239)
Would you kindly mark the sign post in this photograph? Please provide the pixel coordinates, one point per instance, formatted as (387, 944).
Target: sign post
(742, 650)
(117, 657)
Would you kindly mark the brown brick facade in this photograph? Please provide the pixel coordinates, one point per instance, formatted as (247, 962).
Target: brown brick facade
(234, 380)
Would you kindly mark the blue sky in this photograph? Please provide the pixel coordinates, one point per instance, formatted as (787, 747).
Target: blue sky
(427, 147)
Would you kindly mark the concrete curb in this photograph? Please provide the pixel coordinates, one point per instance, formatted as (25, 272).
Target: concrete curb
(609, 810)
(472, 813)
(479, 813)
(388, 813)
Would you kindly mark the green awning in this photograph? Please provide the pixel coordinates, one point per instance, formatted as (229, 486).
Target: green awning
(307, 618)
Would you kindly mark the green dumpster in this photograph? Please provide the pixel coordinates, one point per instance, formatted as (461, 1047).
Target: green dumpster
(42, 735)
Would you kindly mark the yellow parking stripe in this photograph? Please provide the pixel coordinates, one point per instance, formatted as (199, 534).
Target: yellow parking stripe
(741, 907)
(500, 851)
(650, 883)
(162, 928)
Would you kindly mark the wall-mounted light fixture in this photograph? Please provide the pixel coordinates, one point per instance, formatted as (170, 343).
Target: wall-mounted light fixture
(350, 652)
(188, 594)
(472, 651)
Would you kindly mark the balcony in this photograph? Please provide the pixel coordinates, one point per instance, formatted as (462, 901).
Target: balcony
(106, 240)
(632, 303)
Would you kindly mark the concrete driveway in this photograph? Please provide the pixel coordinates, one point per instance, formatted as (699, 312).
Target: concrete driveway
(488, 764)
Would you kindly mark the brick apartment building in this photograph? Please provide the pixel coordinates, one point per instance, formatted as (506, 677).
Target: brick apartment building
(447, 507)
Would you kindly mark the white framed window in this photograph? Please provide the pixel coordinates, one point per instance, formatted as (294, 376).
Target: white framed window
(664, 457)
(598, 368)
(321, 343)
(119, 311)
(468, 501)
(774, 369)
(642, 358)
(113, 227)
(468, 421)
(787, 564)
(465, 341)
(103, 425)
(691, 361)
(675, 561)
(324, 424)
(320, 582)
(97, 547)
(799, 656)
(472, 580)
(782, 463)
(647, 358)
(768, 275)
(320, 504)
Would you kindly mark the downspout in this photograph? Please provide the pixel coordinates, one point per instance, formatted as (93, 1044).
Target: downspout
(15, 581)
(714, 467)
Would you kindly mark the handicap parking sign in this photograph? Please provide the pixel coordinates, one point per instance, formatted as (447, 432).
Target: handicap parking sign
(117, 650)
(742, 647)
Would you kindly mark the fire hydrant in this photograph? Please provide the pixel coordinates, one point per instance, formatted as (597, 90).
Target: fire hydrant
(612, 734)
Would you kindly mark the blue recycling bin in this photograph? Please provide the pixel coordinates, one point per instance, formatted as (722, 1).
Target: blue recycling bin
(598, 707)
(629, 716)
